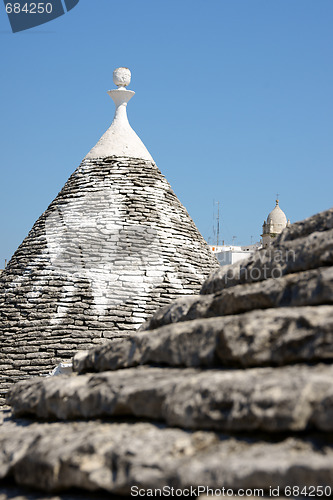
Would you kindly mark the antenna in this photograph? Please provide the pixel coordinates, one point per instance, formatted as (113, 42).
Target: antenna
(218, 224)
(233, 239)
(216, 228)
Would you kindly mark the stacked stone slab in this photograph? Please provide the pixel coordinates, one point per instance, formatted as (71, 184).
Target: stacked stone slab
(114, 246)
(231, 388)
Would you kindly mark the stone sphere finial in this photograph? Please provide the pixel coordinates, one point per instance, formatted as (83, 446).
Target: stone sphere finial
(122, 77)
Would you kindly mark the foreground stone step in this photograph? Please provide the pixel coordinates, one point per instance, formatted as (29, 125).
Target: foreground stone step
(11, 492)
(307, 288)
(285, 256)
(322, 221)
(257, 338)
(117, 456)
(295, 397)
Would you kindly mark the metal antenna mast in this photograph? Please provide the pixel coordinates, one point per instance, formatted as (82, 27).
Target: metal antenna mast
(216, 232)
(218, 224)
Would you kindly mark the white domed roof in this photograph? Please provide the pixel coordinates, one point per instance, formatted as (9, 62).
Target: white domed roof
(275, 224)
(277, 217)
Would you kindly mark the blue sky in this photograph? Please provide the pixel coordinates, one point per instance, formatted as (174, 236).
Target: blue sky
(233, 100)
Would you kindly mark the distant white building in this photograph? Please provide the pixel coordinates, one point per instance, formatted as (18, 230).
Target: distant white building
(229, 254)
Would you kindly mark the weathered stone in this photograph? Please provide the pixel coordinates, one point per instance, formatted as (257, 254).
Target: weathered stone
(270, 399)
(253, 360)
(322, 221)
(312, 287)
(116, 456)
(11, 492)
(171, 313)
(257, 338)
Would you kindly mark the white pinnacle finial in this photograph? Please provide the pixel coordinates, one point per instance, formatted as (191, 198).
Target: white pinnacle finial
(120, 139)
(122, 77)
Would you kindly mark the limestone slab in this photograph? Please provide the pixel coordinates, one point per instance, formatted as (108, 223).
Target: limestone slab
(313, 287)
(114, 457)
(257, 338)
(291, 398)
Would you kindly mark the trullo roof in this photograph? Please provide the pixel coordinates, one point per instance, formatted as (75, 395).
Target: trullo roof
(115, 245)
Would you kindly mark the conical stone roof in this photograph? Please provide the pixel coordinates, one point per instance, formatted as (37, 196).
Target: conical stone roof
(114, 246)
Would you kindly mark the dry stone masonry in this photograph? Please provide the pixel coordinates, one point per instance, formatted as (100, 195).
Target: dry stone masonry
(235, 396)
(114, 246)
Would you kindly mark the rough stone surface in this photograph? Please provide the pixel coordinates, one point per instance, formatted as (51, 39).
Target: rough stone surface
(313, 287)
(115, 245)
(256, 338)
(115, 456)
(269, 399)
(11, 492)
(322, 221)
(251, 360)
